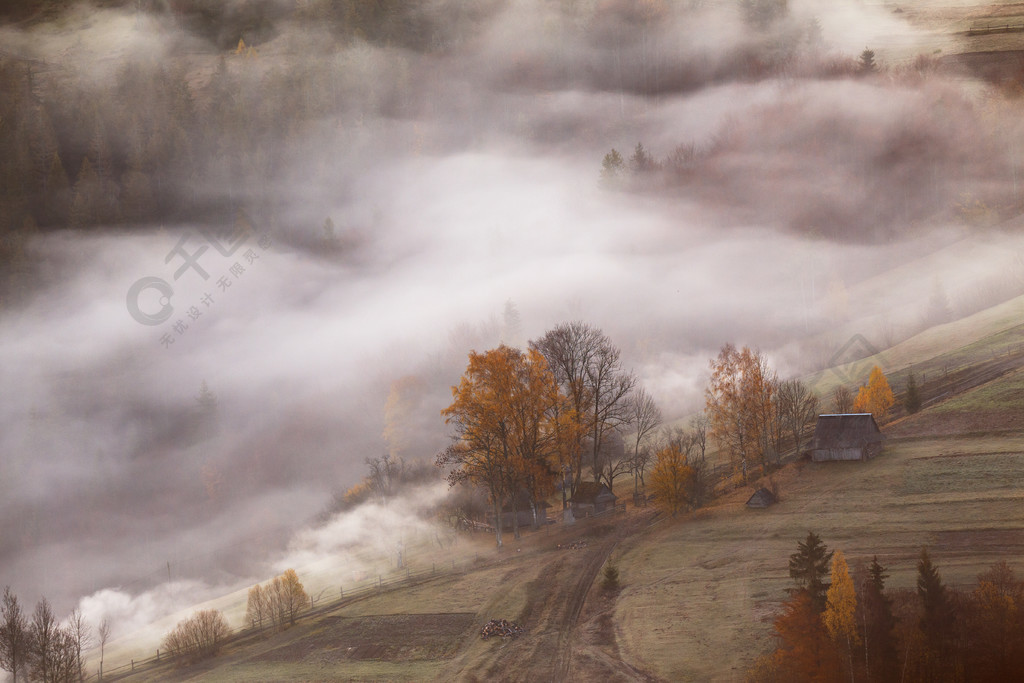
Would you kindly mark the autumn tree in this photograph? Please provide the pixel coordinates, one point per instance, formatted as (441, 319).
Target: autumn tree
(805, 652)
(14, 635)
(288, 597)
(840, 616)
(809, 565)
(876, 396)
(501, 414)
(256, 608)
(198, 637)
(670, 479)
(588, 368)
(798, 408)
(997, 625)
(739, 405)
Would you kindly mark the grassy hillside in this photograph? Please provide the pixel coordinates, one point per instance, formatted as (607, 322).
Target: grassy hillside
(700, 593)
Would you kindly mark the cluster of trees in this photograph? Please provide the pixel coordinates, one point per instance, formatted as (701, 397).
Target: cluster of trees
(39, 648)
(680, 478)
(276, 604)
(841, 624)
(752, 414)
(198, 637)
(523, 420)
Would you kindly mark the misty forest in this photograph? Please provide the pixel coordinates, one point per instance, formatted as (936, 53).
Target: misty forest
(342, 338)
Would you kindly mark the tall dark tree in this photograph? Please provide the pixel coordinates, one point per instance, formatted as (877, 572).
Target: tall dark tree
(809, 566)
(881, 660)
(937, 617)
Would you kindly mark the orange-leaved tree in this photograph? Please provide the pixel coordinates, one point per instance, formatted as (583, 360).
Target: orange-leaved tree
(805, 652)
(504, 439)
(740, 403)
(876, 396)
(670, 479)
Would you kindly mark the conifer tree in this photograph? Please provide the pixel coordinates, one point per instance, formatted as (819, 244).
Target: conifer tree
(912, 401)
(809, 565)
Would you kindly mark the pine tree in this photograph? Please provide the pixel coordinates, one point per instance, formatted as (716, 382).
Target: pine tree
(880, 656)
(809, 565)
(612, 168)
(937, 616)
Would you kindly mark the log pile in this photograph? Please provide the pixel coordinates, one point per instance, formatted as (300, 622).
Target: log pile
(501, 627)
(575, 545)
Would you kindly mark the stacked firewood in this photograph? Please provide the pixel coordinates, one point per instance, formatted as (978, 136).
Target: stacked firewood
(501, 627)
(575, 545)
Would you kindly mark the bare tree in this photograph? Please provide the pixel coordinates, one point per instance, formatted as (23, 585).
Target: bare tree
(103, 635)
(81, 636)
(588, 368)
(52, 649)
(14, 635)
(385, 474)
(842, 399)
(645, 417)
(798, 407)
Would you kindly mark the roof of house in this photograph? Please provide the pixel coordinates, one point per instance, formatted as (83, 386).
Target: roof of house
(589, 491)
(848, 430)
(762, 498)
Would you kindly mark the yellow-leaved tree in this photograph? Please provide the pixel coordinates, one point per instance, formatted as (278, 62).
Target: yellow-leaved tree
(840, 614)
(670, 479)
(876, 396)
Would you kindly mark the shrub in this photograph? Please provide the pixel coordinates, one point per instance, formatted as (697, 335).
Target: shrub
(198, 637)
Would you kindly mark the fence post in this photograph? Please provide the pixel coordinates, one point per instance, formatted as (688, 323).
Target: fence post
(133, 665)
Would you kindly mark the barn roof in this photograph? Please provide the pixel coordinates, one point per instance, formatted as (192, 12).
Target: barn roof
(589, 491)
(762, 498)
(847, 430)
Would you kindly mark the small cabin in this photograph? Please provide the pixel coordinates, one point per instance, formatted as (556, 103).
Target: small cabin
(523, 515)
(591, 498)
(762, 498)
(848, 436)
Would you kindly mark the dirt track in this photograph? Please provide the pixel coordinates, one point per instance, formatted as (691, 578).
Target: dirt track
(555, 647)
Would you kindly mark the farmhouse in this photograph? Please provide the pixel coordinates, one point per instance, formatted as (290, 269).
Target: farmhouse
(762, 498)
(591, 498)
(852, 436)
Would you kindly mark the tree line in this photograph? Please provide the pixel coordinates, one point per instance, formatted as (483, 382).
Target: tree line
(38, 647)
(526, 421)
(845, 625)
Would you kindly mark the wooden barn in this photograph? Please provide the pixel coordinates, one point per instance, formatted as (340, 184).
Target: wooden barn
(591, 498)
(762, 498)
(851, 436)
(524, 513)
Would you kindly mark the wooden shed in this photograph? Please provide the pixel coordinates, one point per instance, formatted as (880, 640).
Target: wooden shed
(591, 498)
(848, 436)
(762, 498)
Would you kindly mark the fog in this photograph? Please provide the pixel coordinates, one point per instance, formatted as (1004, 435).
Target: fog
(814, 205)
